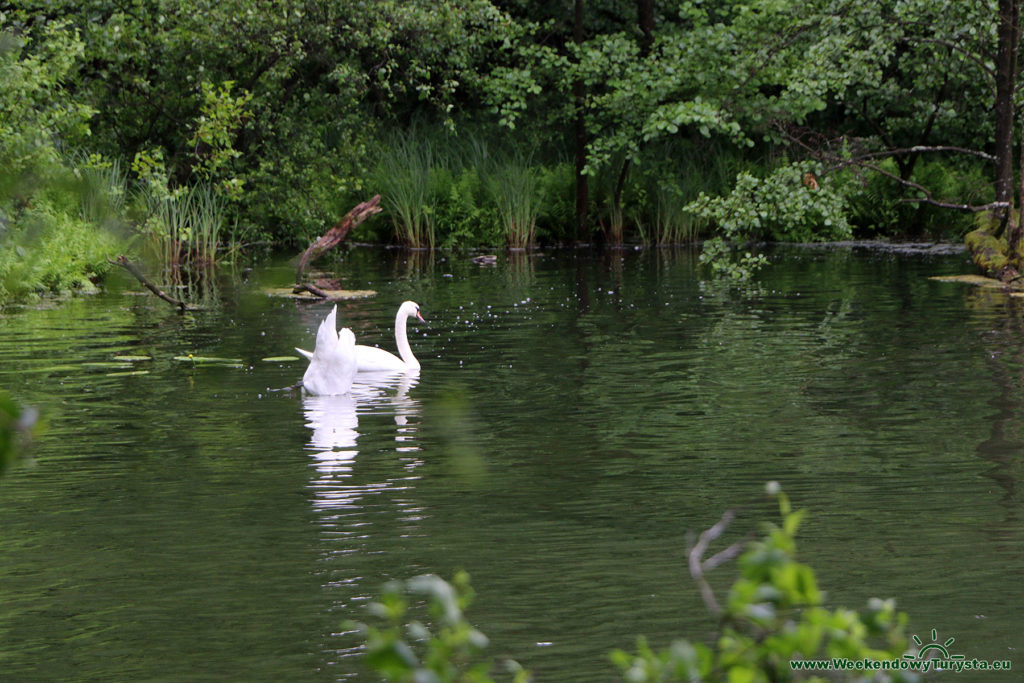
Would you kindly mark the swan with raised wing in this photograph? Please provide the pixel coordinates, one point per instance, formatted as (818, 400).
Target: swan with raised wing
(373, 359)
(332, 365)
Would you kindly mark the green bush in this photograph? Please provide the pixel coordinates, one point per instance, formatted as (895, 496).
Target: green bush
(774, 615)
(464, 217)
(556, 219)
(782, 206)
(444, 649)
(51, 251)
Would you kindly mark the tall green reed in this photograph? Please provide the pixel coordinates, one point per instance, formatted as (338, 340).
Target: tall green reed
(404, 175)
(671, 222)
(103, 189)
(674, 176)
(184, 226)
(513, 186)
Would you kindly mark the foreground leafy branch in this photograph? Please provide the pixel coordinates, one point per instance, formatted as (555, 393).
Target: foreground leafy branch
(444, 650)
(772, 616)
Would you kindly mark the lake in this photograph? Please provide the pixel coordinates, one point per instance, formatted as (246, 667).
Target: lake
(577, 415)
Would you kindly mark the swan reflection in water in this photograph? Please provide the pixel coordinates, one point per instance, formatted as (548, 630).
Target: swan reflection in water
(334, 421)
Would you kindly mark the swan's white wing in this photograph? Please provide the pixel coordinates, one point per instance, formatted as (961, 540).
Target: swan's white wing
(304, 352)
(332, 366)
(373, 359)
(327, 335)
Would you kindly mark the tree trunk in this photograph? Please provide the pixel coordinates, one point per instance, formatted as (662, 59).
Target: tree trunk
(998, 258)
(579, 93)
(645, 19)
(1008, 34)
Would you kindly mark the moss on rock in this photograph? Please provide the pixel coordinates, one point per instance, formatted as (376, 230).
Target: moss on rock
(987, 251)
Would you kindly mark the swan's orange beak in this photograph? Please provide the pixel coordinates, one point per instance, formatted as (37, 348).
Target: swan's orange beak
(420, 316)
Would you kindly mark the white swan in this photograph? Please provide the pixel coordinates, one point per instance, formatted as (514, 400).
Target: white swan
(332, 365)
(373, 359)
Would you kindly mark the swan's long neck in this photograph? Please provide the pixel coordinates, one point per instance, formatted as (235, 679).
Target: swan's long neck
(404, 350)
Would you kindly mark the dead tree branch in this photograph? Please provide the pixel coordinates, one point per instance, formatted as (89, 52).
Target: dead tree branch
(928, 198)
(864, 160)
(312, 289)
(123, 261)
(699, 566)
(339, 232)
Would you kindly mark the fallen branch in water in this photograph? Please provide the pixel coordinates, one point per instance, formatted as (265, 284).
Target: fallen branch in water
(339, 232)
(123, 261)
(312, 289)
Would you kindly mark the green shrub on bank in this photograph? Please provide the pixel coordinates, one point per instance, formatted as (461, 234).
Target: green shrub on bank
(48, 250)
(787, 205)
(463, 215)
(57, 210)
(774, 615)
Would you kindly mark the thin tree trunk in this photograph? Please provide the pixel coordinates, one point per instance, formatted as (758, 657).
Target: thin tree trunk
(579, 93)
(645, 19)
(1008, 33)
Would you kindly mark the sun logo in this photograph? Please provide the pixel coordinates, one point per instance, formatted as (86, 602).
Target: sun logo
(941, 649)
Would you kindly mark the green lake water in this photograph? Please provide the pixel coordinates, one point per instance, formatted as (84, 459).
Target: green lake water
(576, 416)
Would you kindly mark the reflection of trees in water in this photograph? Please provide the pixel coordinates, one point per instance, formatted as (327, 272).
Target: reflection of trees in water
(412, 263)
(1004, 448)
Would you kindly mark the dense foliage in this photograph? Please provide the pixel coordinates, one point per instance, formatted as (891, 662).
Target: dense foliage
(488, 122)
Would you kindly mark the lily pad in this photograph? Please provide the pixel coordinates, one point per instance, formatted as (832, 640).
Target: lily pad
(133, 359)
(280, 359)
(333, 294)
(127, 373)
(976, 280)
(106, 364)
(212, 360)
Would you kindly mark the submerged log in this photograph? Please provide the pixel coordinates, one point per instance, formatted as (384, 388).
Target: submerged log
(339, 232)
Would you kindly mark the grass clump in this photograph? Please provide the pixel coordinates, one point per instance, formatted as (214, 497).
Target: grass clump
(404, 174)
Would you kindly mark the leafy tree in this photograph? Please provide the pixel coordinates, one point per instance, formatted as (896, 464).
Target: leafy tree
(52, 215)
(280, 101)
(37, 116)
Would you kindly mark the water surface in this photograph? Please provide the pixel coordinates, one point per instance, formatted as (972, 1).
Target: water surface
(576, 416)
